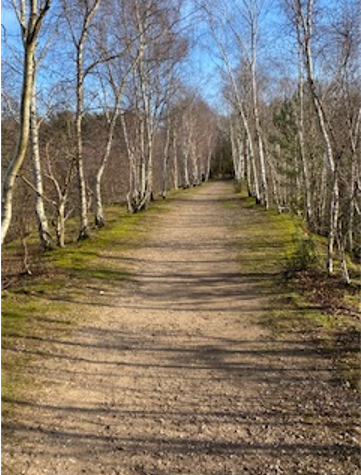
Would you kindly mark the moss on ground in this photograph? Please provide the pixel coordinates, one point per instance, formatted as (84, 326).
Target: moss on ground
(41, 305)
(328, 315)
(271, 246)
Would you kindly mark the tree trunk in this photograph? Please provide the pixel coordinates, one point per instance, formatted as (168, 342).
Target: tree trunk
(235, 152)
(209, 159)
(334, 201)
(98, 201)
(23, 140)
(84, 224)
(301, 142)
(60, 223)
(261, 154)
(30, 35)
(175, 160)
(165, 162)
(43, 227)
(186, 183)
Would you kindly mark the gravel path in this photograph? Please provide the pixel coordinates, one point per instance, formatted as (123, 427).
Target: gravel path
(173, 374)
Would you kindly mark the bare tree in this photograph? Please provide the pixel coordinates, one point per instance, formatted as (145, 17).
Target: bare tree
(30, 16)
(79, 18)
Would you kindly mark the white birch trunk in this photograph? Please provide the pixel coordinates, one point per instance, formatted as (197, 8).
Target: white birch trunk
(30, 34)
(261, 154)
(98, 201)
(209, 159)
(132, 181)
(186, 183)
(165, 162)
(43, 227)
(334, 201)
(301, 141)
(175, 160)
(241, 152)
(60, 222)
(248, 170)
(235, 152)
(84, 231)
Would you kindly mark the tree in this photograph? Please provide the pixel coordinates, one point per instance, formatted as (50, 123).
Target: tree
(30, 16)
(79, 17)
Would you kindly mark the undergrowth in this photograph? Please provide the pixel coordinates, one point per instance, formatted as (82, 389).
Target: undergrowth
(306, 301)
(39, 307)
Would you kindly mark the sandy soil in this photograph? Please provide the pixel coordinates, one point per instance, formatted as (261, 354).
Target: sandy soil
(173, 374)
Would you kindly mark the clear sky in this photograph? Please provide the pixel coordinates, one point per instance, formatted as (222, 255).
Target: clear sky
(202, 70)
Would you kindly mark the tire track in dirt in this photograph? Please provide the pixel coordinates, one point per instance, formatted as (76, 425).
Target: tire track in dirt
(173, 374)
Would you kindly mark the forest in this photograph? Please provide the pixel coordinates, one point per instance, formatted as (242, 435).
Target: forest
(181, 237)
(117, 102)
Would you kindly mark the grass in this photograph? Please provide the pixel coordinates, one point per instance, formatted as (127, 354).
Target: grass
(305, 300)
(34, 309)
(272, 245)
(41, 306)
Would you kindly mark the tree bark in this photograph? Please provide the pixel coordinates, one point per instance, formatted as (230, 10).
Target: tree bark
(43, 227)
(30, 35)
(306, 22)
(23, 140)
(301, 142)
(165, 161)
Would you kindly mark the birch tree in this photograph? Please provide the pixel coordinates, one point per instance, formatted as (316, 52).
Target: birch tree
(303, 16)
(43, 226)
(114, 71)
(30, 15)
(79, 19)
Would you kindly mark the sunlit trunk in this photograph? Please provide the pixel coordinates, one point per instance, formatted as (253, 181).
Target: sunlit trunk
(43, 227)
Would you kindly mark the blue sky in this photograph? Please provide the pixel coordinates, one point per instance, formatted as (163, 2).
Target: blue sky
(201, 71)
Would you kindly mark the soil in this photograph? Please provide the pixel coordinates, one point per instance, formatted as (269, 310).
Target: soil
(173, 373)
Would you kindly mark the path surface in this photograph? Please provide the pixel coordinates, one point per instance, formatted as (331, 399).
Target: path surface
(173, 374)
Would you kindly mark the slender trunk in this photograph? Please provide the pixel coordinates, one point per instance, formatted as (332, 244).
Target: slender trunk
(84, 232)
(235, 153)
(175, 160)
(60, 223)
(333, 220)
(132, 190)
(209, 159)
(43, 227)
(275, 187)
(30, 34)
(248, 170)
(252, 161)
(99, 210)
(23, 140)
(354, 133)
(334, 201)
(165, 162)
(195, 168)
(149, 185)
(98, 201)
(142, 170)
(186, 183)
(351, 210)
(261, 153)
(84, 224)
(240, 149)
(301, 141)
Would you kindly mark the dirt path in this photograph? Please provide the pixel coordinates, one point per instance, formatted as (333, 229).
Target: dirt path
(172, 374)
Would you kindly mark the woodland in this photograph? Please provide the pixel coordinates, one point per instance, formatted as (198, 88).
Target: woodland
(117, 102)
(181, 237)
